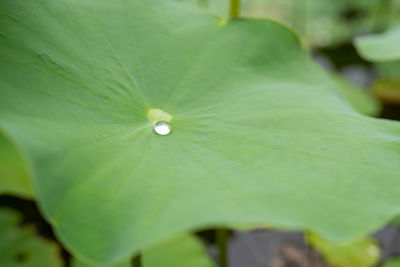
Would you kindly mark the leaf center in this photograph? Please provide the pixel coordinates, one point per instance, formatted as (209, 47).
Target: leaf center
(155, 115)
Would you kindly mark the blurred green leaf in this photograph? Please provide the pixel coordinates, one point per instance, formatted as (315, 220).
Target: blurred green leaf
(387, 85)
(362, 253)
(20, 246)
(361, 99)
(392, 263)
(396, 221)
(185, 251)
(379, 47)
(75, 262)
(389, 71)
(14, 179)
(261, 135)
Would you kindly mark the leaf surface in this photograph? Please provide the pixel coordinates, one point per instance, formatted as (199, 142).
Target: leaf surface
(250, 144)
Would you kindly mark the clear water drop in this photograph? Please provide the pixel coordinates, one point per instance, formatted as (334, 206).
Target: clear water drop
(162, 127)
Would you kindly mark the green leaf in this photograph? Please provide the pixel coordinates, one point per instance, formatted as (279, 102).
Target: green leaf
(396, 221)
(261, 135)
(387, 86)
(77, 263)
(380, 47)
(22, 247)
(360, 99)
(361, 253)
(14, 179)
(185, 251)
(392, 263)
(389, 71)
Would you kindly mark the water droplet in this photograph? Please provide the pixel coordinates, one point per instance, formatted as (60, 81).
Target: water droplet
(162, 128)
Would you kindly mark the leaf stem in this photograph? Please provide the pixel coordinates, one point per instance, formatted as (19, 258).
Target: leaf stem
(222, 235)
(234, 9)
(137, 260)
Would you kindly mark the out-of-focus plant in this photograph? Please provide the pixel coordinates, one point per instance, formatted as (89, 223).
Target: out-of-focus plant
(385, 51)
(21, 246)
(361, 253)
(319, 22)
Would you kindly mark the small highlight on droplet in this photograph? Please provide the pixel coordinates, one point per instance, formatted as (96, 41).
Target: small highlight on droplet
(162, 128)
